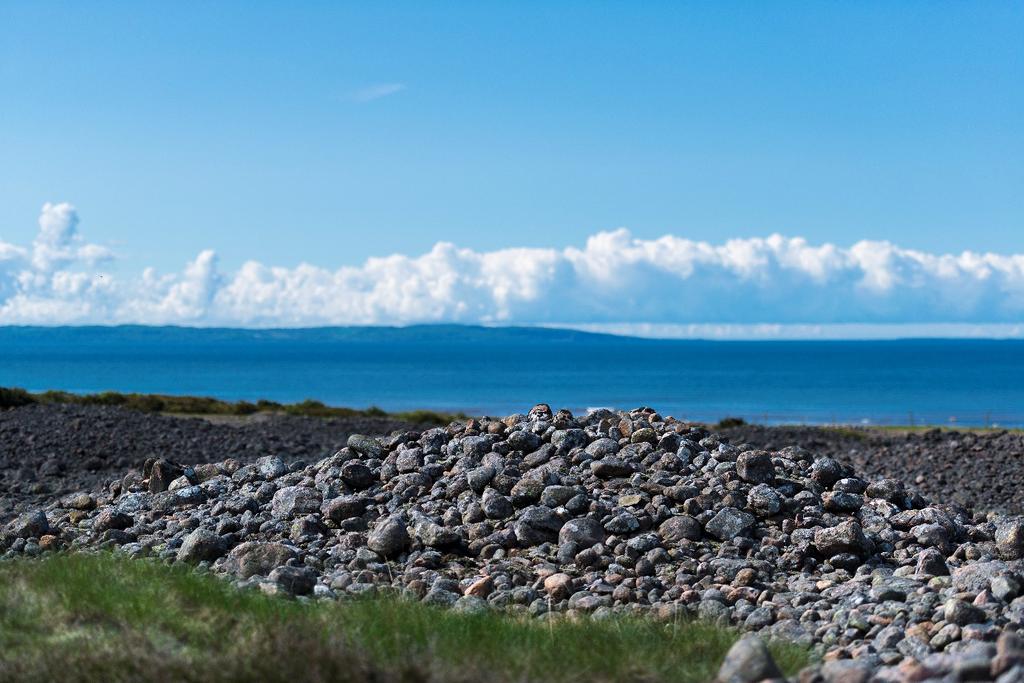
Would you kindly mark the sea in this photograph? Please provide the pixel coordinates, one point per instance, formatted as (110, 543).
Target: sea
(503, 370)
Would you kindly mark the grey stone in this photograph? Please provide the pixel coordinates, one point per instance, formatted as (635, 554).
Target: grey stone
(585, 532)
(930, 562)
(888, 591)
(523, 440)
(846, 537)
(841, 501)
(1005, 587)
(434, 535)
(764, 500)
(271, 467)
(565, 440)
(496, 506)
(32, 525)
(343, 507)
(891, 490)
(1010, 539)
(162, 473)
(601, 448)
(748, 661)
(259, 558)
(480, 477)
(407, 461)
(846, 671)
(931, 536)
(365, 445)
(622, 523)
(470, 604)
(888, 638)
(389, 538)
(678, 528)
(977, 576)
(526, 492)
(112, 518)
(537, 525)
(610, 468)
(357, 475)
(758, 619)
(294, 580)
(201, 545)
(826, 471)
(476, 446)
(962, 613)
(755, 467)
(729, 523)
(557, 496)
(295, 500)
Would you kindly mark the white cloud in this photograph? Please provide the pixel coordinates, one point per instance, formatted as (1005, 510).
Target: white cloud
(670, 286)
(796, 331)
(377, 91)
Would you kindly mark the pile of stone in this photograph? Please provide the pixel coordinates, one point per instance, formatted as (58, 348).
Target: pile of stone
(633, 513)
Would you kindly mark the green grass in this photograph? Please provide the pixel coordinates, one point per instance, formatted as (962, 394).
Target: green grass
(862, 432)
(108, 618)
(12, 397)
(962, 429)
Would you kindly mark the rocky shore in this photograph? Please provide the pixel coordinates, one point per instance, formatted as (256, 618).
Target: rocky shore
(983, 469)
(554, 515)
(50, 450)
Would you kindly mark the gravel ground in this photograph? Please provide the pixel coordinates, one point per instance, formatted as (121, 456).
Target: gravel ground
(983, 470)
(52, 450)
(48, 450)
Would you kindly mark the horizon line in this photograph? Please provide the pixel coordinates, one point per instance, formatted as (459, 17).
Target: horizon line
(666, 331)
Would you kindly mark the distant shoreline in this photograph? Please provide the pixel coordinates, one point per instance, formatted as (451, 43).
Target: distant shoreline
(204, 406)
(209, 407)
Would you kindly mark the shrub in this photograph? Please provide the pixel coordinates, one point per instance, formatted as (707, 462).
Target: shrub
(264, 404)
(147, 403)
(204, 405)
(107, 398)
(246, 408)
(14, 397)
(56, 397)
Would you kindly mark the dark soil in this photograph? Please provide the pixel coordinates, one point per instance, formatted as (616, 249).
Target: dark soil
(50, 450)
(983, 470)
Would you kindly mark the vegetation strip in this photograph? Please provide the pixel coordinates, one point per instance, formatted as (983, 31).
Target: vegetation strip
(13, 397)
(117, 619)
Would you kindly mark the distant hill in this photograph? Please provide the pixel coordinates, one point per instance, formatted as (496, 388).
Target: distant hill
(431, 334)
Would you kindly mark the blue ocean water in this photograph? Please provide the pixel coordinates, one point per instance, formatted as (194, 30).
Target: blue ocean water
(503, 370)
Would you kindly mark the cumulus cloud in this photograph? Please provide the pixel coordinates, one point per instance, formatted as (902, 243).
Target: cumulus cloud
(670, 286)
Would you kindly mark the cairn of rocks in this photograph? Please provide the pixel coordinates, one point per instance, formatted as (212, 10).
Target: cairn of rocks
(610, 513)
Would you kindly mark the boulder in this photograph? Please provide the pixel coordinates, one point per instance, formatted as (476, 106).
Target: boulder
(259, 558)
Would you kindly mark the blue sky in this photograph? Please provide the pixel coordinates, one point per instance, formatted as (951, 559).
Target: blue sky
(328, 133)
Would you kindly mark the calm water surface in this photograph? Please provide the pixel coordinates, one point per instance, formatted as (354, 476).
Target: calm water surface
(499, 371)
